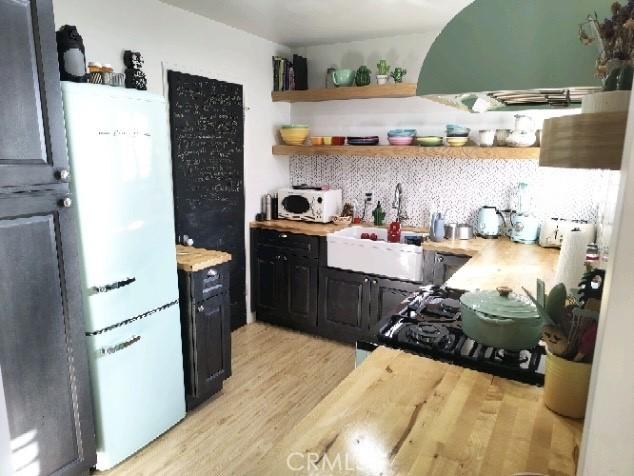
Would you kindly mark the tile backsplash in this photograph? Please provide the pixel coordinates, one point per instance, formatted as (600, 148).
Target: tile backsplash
(457, 187)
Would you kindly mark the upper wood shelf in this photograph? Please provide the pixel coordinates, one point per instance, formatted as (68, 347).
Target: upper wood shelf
(584, 141)
(468, 152)
(396, 90)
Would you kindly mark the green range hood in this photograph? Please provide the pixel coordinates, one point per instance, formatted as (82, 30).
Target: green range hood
(513, 54)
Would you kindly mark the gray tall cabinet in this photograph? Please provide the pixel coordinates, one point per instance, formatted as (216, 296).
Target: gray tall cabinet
(42, 353)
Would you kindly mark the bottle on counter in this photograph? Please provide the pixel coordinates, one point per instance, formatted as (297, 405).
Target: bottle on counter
(268, 207)
(274, 207)
(378, 214)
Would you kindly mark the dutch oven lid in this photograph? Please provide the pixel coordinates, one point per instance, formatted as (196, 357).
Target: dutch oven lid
(500, 304)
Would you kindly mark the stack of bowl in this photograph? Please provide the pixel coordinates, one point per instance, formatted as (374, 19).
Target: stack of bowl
(457, 136)
(401, 136)
(294, 134)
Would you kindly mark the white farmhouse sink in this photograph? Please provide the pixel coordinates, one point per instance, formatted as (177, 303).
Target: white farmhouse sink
(346, 250)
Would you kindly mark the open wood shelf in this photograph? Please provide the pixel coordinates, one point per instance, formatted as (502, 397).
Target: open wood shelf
(584, 141)
(467, 152)
(396, 90)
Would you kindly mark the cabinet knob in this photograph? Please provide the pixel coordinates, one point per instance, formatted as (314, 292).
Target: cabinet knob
(283, 235)
(284, 258)
(66, 202)
(366, 280)
(440, 259)
(63, 175)
(374, 281)
(212, 273)
(201, 308)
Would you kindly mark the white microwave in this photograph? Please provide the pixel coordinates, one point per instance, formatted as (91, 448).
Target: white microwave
(316, 206)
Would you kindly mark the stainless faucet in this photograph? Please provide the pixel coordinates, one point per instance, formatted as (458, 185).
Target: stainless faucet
(398, 203)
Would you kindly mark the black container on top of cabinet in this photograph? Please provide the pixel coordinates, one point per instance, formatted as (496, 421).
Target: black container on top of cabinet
(206, 331)
(42, 344)
(207, 133)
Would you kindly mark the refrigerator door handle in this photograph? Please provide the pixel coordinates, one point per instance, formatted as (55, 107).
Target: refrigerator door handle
(122, 345)
(109, 287)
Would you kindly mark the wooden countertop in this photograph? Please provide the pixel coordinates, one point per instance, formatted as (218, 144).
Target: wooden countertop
(501, 263)
(494, 262)
(314, 229)
(403, 414)
(301, 227)
(192, 259)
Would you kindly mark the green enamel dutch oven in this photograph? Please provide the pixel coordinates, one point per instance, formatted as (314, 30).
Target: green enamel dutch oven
(501, 319)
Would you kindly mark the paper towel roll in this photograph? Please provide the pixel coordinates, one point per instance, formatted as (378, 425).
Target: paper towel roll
(571, 267)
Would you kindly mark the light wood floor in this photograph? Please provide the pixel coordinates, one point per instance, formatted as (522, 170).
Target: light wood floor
(278, 377)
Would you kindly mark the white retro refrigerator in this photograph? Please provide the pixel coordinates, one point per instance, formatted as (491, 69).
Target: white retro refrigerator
(118, 142)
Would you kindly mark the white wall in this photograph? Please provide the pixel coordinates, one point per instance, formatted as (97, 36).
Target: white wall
(608, 436)
(406, 51)
(192, 44)
(377, 116)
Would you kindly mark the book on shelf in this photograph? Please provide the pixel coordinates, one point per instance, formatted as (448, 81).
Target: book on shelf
(290, 75)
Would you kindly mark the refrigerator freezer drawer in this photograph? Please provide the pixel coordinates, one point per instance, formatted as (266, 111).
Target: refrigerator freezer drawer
(137, 381)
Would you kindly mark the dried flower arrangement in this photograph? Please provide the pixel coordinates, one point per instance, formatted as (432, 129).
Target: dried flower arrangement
(615, 39)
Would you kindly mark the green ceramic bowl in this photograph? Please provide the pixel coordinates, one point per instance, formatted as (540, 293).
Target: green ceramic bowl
(429, 141)
(343, 77)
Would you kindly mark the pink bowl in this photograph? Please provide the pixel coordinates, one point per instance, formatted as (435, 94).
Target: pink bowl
(400, 140)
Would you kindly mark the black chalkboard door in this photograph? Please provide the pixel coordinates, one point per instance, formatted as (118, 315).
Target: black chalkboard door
(207, 129)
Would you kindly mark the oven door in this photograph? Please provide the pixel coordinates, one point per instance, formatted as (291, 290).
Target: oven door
(297, 205)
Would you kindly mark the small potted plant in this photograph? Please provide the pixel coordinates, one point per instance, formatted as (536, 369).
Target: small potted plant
(570, 337)
(363, 76)
(398, 74)
(382, 72)
(614, 37)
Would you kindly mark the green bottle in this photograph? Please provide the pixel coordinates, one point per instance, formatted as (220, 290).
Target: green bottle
(378, 214)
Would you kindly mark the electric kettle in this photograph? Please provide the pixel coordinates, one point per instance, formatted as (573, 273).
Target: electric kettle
(489, 219)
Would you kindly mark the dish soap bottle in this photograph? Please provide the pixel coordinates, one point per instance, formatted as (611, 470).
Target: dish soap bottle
(378, 214)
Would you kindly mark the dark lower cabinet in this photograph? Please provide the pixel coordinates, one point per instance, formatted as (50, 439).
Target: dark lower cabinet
(206, 331)
(344, 304)
(293, 287)
(42, 344)
(351, 304)
(285, 281)
(387, 298)
(439, 267)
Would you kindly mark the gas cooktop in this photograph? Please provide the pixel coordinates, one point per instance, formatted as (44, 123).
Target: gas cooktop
(430, 325)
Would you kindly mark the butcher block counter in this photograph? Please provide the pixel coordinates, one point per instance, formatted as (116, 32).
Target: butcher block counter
(313, 229)
(192, 259)
(401, 414)
(493, 263)
(499, 262)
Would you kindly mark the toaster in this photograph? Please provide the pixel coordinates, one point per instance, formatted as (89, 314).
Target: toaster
(554, 230)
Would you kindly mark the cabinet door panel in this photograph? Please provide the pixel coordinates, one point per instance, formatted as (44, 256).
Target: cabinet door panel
(387, 296)
(268, 292)
(32, 140)
(42, 353)
(301, 290)
(210, 347)
(343, 304)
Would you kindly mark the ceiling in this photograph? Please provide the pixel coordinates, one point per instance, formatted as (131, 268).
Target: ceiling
(313, 22)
